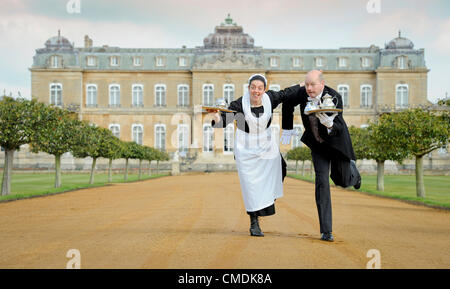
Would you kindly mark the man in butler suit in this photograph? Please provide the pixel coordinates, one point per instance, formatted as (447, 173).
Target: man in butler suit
(326, 134)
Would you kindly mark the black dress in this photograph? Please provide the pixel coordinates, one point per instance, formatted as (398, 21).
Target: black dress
(276, 97)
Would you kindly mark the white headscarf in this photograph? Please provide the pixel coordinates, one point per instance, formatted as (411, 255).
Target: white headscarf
(257, 124)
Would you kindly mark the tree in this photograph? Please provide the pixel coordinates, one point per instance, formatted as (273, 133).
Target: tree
(149, 155)
(115, 148)
(418, 132)
(381, 147)
(20, 120)
(127, 153)
(137, 152)
(160, 156)
(302, 153)
(360, 137)
(94, 142)
(57, 137)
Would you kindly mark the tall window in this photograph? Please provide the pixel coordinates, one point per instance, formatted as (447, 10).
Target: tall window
(91, 95)
(56, 94)
(208, 138)
(160, 95)
(183, 95)
(228, 92)
(366, 96)
(115, 129)
(343, 90)
(208, 94)
(228, 138)
(137, 92)
(138, 131)
(297, 139)
(160, 137)
(401, 95)
(183, 138)
(114, 95)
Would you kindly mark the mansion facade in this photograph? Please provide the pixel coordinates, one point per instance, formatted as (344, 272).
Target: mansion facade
(153, 96)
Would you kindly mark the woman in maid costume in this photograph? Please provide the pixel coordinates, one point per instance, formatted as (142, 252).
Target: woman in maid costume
(260, 166)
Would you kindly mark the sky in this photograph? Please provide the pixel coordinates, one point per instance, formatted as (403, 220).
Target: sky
(25, 25)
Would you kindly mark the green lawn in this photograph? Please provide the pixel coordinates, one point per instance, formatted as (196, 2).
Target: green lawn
(25, 185)
(437, 188)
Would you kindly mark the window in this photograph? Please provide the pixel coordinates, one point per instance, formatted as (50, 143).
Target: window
(182, 61)
(401, 95)
(114, 95)
(274, 61)
(208, 138)
(319, 61)
(365, 62)
(183, 138)
(137, 92)
(114, 61)
(274, 87)
(160, 61)
(343, 61)
(297, 61)
(137, 130)
(115, 129)
(137, 61)
(208, 94)
(402, 62)
(160, 95)
(228, 93)
(91, 95)
(55, 61)
(343, 90)
(366, 96)
(228, 138)
(56, 94)
(297, 139)
(91, 61)
(183, 95)
(160, 137)
(245, 88)
(442, 150)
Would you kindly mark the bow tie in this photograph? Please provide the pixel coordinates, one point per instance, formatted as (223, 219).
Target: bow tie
(314, 99)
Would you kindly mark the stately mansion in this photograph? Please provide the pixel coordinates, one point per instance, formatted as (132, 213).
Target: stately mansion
(153, 96)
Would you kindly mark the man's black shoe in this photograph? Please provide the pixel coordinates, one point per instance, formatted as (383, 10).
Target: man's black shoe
(327, 237)
(358, 183)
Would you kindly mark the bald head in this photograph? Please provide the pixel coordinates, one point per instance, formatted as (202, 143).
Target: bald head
(314, 83)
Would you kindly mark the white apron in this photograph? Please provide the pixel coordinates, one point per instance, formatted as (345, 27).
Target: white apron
(258, 159)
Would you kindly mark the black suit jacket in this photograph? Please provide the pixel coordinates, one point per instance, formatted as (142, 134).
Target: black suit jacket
(337, 144)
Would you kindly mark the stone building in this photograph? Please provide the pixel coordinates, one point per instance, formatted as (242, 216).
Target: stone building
(153, 95)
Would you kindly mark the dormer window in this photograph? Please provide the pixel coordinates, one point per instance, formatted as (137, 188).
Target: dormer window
(182, 61)
(137, 61)
(274, 61)
(160, 61)
(319, 61)
(343, 61)
(114, 61)
(91, 61)
(297, 62)
(402, 62)
(55, 61)
(365, 62)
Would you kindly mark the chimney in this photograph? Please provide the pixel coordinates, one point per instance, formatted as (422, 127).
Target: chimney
(87, 42)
